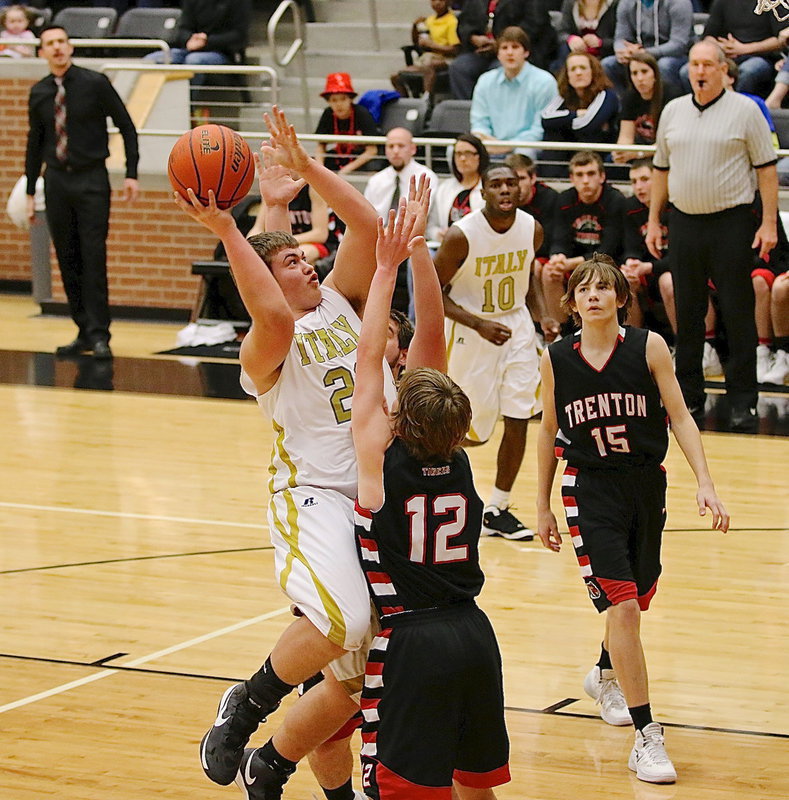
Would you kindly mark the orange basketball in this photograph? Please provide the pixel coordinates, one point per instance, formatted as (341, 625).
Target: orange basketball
(212, 157)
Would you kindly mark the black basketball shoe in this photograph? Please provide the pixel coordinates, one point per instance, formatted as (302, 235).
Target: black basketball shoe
(259, 780)
(223, 746)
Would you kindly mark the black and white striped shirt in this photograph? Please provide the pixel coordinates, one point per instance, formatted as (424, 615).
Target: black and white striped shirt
(711, 151)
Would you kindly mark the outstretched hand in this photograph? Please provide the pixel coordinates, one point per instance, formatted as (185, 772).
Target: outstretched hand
(277, 186)
(418, 203)
(211, 216)
(284, 146)
(392, 246)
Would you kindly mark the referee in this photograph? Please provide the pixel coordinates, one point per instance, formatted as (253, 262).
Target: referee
(713, 147)
(68, 112)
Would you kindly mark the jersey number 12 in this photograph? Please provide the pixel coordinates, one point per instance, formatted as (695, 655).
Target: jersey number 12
(451, 505)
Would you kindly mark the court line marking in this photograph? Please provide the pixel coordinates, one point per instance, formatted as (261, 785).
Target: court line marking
(130, 515)
(65, 687)
(131, 559)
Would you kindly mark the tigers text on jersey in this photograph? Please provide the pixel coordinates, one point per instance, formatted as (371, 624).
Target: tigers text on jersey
(421, 549)
(611, 418)
(310, 404)
(494, 278)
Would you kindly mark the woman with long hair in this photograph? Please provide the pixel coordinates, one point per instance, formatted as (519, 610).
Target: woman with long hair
(585, 109)
(642, 105)
(456, 196)
(587, 26)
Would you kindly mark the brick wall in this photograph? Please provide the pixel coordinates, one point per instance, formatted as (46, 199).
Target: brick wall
(151, 245)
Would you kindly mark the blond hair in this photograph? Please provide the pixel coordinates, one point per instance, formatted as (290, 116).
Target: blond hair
(267, 245)
(433, 414)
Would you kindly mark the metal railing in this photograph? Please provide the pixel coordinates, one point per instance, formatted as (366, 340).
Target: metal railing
(374, 26)
(101, 44)
(296, 48)
(222, 110)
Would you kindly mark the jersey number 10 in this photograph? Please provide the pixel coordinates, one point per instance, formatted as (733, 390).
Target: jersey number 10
(451, 505)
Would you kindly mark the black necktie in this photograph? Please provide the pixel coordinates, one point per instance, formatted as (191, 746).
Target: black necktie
(395, 194)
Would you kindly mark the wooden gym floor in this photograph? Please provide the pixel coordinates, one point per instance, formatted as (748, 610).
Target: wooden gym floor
(136, 583)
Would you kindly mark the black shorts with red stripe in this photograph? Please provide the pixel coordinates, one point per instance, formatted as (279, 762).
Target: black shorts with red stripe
(616, 522)
(433, 706)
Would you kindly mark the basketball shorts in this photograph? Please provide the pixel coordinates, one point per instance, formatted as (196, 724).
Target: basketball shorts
(316, 563)
(499, 380)
(616, 522)
(433, 706)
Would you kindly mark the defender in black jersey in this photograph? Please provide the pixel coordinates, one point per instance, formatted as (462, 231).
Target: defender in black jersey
(609, 392)
(435, 667)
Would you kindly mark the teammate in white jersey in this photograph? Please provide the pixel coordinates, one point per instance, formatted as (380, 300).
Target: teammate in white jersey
(485, 265)
(298, 360)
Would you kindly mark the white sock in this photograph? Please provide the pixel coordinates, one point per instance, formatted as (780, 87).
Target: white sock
(499, 498)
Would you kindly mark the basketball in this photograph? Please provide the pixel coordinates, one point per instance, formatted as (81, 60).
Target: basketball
(212, 157)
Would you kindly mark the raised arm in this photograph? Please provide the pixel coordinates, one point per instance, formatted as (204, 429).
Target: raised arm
(369, 416)
(428, 346)
(265, 346)
(354, 264)
(277, 189)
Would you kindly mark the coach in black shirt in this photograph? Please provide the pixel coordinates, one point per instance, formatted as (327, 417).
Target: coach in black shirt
(68, 113)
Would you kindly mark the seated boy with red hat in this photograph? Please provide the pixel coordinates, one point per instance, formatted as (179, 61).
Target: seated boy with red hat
(343, 117)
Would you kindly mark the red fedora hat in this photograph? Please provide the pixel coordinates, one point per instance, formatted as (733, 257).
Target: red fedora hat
(338, 83)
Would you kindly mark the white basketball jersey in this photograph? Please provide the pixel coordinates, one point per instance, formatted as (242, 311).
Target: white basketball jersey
(494, 278)
(310, 404)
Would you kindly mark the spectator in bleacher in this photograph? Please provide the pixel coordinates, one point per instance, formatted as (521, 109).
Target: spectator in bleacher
(662, 28)
(14, 30)
(385, 188)
(343, 117)
(779, 297)
(481, 22)
(437, 38)
(588, 221)
(776, 97)
(642, 105)
(209, 33)
(508, 101)
(587, 26)
(750, 39)
(461, 193)
(537, 199)
(584, 110)
(649, 277)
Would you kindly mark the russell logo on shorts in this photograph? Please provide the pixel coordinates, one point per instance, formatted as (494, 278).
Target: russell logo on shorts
(309, 502)
(593, 589)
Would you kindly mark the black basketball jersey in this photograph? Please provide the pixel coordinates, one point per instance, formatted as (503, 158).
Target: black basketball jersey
(300, 211)
(421, 550)
(610, 418)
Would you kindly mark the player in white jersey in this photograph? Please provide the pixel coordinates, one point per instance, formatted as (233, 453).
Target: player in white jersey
(298, 360)
(485, 264)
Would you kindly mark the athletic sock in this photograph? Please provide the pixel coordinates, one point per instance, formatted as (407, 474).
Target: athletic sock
(766, 341)
(344, 792)
(499, 498)
(604, 661)
(641, 716)
(265, 688)
(278, 762)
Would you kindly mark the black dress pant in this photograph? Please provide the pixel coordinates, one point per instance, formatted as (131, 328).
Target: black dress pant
(715, 247)
(78, 213)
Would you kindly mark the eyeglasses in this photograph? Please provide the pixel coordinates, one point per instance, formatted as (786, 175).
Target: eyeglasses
(466, 154)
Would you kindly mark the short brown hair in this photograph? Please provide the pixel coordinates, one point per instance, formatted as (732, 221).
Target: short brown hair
(518, 161)
(433, 415)
(267, 245)
(584, 157)
(605, 269)
(514, 34)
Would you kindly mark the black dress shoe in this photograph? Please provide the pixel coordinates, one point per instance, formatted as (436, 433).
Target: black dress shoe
(101, 351)
(744, 420)
(75, 348)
